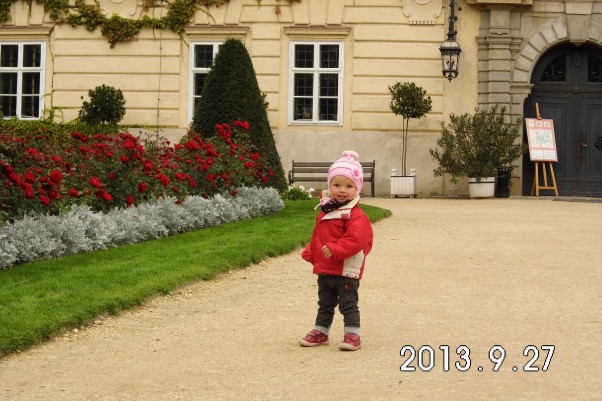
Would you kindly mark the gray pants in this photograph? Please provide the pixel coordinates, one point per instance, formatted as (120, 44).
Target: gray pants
(342, 291)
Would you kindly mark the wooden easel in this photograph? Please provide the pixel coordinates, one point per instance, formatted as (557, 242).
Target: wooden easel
(536, 186)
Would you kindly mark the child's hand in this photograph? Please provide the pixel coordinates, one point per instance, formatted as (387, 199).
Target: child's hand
(326, 251)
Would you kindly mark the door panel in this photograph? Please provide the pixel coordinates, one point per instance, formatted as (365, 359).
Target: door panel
(558, 107)
(590, 147)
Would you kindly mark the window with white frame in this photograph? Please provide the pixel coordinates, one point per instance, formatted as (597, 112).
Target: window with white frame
(316, 83)
(202, 55)
(22, 79)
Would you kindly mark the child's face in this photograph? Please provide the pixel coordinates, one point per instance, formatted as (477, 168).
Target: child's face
(342, 188)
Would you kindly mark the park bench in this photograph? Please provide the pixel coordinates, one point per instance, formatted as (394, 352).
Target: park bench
(318, 172)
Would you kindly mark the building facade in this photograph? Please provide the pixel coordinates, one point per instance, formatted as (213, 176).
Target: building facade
(325, 67)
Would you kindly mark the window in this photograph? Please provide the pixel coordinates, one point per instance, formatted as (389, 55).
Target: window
(201, 61)
(21, 79)
(316, 83)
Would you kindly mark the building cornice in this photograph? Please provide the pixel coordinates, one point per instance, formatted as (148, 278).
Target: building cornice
(506, 4)
(321, 31)
(217, 31)
(25, 32)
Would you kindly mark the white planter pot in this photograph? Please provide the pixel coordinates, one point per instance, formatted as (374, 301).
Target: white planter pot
(403, 185)
(483, 189)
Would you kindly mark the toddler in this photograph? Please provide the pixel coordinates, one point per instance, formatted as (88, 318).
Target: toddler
(340, 242)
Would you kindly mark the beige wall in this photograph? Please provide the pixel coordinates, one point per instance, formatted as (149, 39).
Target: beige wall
(386, 41)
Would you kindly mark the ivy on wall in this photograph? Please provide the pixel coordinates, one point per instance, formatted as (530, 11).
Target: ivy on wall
(116, 28)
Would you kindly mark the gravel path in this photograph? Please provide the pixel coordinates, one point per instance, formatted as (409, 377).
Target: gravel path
(443, 273)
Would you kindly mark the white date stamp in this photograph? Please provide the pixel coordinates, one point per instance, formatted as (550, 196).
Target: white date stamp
(426, 358)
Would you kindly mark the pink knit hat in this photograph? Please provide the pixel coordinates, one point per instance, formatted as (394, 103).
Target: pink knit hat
(348, 166)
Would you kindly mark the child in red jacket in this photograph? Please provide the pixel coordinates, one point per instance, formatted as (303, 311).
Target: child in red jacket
(340, 242)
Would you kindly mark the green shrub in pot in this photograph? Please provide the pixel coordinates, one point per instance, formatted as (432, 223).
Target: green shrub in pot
(475, 145)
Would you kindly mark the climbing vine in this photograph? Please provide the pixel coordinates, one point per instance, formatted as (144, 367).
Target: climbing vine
(118, 29)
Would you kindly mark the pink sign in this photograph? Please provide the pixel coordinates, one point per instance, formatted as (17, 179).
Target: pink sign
(542, 143)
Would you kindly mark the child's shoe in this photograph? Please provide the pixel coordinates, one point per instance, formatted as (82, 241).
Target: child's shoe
(351, 342)
(314, 338)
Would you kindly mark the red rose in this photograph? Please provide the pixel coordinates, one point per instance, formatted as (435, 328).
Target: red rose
(45, 200)
(129, 200)
(73, 192)
(28, 191)
(107, 197)
(234, 192)
(95, 182)
(124, 159)
(129, 144)
(30, 177)
(142, 186)
(163, 179)
(112, 176)
(56, 176)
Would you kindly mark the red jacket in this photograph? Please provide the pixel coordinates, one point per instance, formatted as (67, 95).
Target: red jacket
(348, 233)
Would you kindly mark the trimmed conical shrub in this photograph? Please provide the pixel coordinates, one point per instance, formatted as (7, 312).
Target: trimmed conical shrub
(231, 92)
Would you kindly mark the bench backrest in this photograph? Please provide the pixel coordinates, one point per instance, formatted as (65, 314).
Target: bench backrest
(322, 168)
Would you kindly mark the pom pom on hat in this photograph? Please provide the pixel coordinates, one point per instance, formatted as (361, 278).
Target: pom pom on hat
(348, 166)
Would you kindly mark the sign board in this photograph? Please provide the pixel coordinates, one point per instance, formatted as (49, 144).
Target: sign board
(542, 143)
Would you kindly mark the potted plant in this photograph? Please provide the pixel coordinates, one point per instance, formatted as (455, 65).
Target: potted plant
(408, 101)
(475, 145)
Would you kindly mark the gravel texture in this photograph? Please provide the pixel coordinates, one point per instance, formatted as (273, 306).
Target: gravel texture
(443, 273)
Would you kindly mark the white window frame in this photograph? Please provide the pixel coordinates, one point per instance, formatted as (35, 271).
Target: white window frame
(20, 70)
(316, 71)
(193, 71)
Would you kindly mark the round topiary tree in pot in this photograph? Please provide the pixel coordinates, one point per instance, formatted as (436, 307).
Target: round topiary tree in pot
(408, 101)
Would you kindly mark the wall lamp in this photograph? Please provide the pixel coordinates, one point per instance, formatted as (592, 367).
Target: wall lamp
(450, 49)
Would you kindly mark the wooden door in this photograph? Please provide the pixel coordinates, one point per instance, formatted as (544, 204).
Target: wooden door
(568, 88)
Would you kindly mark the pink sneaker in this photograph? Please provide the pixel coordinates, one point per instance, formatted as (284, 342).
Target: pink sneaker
(314, 338)
(351, 342)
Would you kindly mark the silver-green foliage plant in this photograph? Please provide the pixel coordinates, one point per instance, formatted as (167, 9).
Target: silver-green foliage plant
(475, 145)
(41, 236)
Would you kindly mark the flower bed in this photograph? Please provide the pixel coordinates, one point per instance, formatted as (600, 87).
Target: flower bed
(64, 191)
(51, 170)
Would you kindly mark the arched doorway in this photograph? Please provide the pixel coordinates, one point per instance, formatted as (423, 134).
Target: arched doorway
(568, 87)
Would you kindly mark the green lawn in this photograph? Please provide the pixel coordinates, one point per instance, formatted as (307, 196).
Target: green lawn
(41, 299)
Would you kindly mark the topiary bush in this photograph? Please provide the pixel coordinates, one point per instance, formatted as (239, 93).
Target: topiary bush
(106, 106)
(231, 92)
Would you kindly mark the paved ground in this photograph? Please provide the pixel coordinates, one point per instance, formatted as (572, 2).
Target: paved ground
(521, 274)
